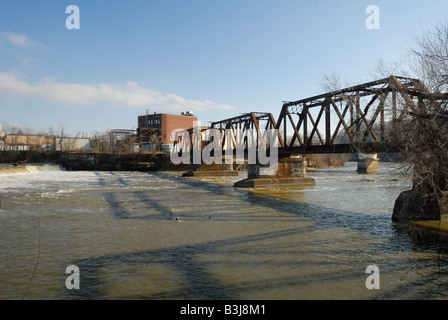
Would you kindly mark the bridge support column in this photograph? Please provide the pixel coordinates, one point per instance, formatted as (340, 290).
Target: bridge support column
(290, 171)
(368, 163)
(213, 169)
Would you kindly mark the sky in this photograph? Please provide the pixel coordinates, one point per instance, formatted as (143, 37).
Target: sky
(216, 58)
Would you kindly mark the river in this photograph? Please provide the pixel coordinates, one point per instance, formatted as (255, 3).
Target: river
(140, 235)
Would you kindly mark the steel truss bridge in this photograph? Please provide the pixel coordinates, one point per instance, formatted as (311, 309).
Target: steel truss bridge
(361, 118)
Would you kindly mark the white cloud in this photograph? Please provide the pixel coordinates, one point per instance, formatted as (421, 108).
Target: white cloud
(19, 40)
(130, 94)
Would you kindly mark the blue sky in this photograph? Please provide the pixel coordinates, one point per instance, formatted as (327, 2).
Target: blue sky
(217, 58)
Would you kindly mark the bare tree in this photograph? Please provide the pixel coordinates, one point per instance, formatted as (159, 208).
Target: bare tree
(425, 139)
(50, 132)
(430, 58)
(401, 67)
(151, 136)
(424, 133)
(332, 82)
(71, 144)
(61, 137)
(103, 141)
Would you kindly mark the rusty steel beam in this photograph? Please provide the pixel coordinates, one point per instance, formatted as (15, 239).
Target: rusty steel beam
(364, 106)
(243, 118)
(360, 109)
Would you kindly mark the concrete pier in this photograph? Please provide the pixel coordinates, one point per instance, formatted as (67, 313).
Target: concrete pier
(368, 163)
(290, 171)
(211, 170)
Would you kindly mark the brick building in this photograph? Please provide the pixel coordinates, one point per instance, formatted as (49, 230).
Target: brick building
(155, 129)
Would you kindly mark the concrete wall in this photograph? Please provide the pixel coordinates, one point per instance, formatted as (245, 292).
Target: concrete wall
(72, 144)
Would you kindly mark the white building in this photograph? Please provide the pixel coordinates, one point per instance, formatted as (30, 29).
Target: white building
(72, 144)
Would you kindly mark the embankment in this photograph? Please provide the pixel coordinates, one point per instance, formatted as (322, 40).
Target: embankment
(149, 161)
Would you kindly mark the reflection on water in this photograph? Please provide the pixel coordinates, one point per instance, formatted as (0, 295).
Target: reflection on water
(160, 236)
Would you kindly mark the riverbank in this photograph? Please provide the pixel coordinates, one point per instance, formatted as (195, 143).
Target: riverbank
(433, 228)
(99, 161)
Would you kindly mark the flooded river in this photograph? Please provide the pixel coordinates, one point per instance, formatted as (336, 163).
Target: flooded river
(136, 235)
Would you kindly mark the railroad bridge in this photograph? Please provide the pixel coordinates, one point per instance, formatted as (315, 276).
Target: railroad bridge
(357, 119)
(362, 119)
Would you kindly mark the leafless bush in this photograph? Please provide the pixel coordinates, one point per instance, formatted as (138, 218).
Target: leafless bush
(424, 141)
(425, 135)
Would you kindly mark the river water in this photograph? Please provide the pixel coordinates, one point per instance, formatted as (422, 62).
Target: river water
(136, 235)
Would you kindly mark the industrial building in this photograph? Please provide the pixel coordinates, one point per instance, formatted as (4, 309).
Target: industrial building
(153, 134)
(154, 130)
(24, 142)
(73, 144)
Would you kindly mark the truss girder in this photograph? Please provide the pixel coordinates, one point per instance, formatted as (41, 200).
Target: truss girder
(354, 116)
